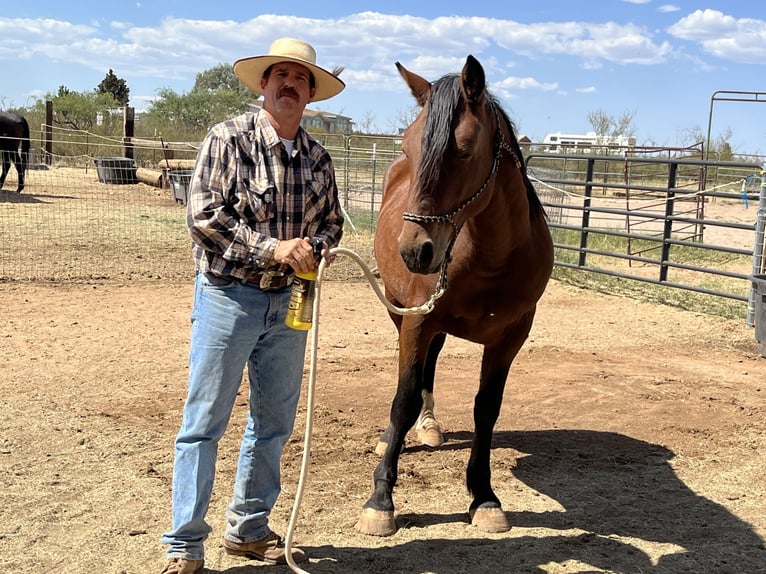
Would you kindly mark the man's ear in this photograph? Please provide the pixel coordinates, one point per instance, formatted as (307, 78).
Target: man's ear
(264, 81)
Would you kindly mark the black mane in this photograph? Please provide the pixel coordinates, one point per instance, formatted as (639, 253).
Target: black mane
(446, 98)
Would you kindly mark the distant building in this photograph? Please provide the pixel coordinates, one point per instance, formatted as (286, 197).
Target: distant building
(321, 121)
(586, 143)
(327, 122)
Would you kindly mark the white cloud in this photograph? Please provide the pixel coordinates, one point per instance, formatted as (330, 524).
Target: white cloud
(741, 40)
(516, 83)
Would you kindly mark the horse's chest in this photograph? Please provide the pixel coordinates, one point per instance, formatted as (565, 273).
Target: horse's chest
(481, 310)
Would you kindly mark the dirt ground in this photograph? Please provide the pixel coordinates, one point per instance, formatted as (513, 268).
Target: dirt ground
(632, 439)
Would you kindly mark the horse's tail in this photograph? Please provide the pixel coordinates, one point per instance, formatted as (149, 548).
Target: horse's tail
(24, 141)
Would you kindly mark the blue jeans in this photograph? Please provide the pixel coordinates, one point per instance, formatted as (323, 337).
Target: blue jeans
(234, 324)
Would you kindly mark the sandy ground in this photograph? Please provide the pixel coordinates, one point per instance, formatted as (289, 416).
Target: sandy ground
(632, 439)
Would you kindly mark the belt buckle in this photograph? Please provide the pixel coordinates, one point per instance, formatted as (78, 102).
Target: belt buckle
(266, 278)
(270, 278)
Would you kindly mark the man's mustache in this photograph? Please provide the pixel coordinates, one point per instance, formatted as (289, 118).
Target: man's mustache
(290, 92)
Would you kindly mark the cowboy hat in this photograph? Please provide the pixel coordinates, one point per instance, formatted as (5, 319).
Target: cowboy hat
(250, 70)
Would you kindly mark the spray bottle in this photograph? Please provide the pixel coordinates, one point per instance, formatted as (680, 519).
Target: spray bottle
(301, 308)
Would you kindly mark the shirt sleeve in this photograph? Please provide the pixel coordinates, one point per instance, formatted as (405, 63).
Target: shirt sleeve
(331, 228)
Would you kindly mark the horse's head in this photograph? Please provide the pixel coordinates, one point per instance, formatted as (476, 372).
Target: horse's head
(451, 152)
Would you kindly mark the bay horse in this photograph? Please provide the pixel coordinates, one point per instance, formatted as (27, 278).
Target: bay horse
(460, 215)
(14, 131)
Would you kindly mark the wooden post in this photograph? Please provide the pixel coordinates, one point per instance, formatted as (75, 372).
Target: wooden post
(129, 125)
(48, 132)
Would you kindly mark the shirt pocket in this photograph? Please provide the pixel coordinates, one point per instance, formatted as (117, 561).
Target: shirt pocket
(260, 194)
(315, 202)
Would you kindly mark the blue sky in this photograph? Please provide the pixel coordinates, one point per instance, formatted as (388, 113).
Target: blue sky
(550, 62)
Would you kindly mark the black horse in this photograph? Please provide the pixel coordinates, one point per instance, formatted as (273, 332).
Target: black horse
(14, 130)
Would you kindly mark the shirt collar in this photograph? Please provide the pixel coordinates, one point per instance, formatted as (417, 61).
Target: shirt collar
(270, 136)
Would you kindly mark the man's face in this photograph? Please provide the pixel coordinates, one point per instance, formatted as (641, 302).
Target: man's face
(288, 86)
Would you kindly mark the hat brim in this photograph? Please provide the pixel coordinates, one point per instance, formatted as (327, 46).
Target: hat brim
(250, 71)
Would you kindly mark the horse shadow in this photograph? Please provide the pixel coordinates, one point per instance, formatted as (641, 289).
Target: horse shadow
(616, 488)
(616, 491)
(12, 196)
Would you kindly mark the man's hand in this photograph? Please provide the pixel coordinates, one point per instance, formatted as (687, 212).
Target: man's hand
(296, 253)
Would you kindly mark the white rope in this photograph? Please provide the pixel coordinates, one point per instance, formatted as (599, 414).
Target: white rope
(427, 307)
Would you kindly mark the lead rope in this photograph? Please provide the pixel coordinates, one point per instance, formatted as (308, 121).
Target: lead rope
(423, 309)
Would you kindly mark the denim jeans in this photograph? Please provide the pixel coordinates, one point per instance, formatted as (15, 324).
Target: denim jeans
(234, 325)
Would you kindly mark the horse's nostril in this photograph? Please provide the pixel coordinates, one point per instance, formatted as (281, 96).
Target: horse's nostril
(426, 255)
(418, 258)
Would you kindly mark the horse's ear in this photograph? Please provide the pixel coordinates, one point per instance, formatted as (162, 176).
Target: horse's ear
(474, 81)
(420, 87)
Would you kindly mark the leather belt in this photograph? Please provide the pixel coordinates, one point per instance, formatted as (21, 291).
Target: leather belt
(269, 281)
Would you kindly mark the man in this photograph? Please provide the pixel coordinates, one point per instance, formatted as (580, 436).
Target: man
(261, 189)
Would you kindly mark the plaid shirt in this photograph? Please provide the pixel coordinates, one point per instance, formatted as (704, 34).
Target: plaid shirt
(247, 193)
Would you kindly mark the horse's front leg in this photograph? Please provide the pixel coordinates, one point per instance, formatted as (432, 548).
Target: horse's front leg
(377, 517)
(427, 428)
(486, 511)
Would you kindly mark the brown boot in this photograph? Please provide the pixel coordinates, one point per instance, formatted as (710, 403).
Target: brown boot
(270, 549)
(183, 566)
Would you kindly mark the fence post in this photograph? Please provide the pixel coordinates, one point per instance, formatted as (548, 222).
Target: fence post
(48, 132)
(758, 247)
(372, 187)
(588, 191)
(128, 129)
(667, 228)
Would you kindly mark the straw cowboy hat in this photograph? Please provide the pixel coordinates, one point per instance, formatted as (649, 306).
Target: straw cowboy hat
(250, 70)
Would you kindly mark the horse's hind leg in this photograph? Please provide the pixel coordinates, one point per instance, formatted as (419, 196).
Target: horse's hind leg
(428, 429)
(19, 163)
(6, 167)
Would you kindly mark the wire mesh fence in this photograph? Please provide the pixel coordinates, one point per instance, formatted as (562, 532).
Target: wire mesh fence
(89, 214)
(106, 217)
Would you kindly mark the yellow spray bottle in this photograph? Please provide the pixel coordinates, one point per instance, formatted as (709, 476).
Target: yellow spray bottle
(301, 308)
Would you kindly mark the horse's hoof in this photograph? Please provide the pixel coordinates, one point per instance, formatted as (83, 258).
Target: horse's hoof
(376, 522)
(432, 437)
(429, 433)
(380, 448)
(490, 519)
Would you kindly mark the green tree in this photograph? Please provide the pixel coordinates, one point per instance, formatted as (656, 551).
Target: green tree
(80, 110)
(115, 86)
(190, 115)
(221, 77)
